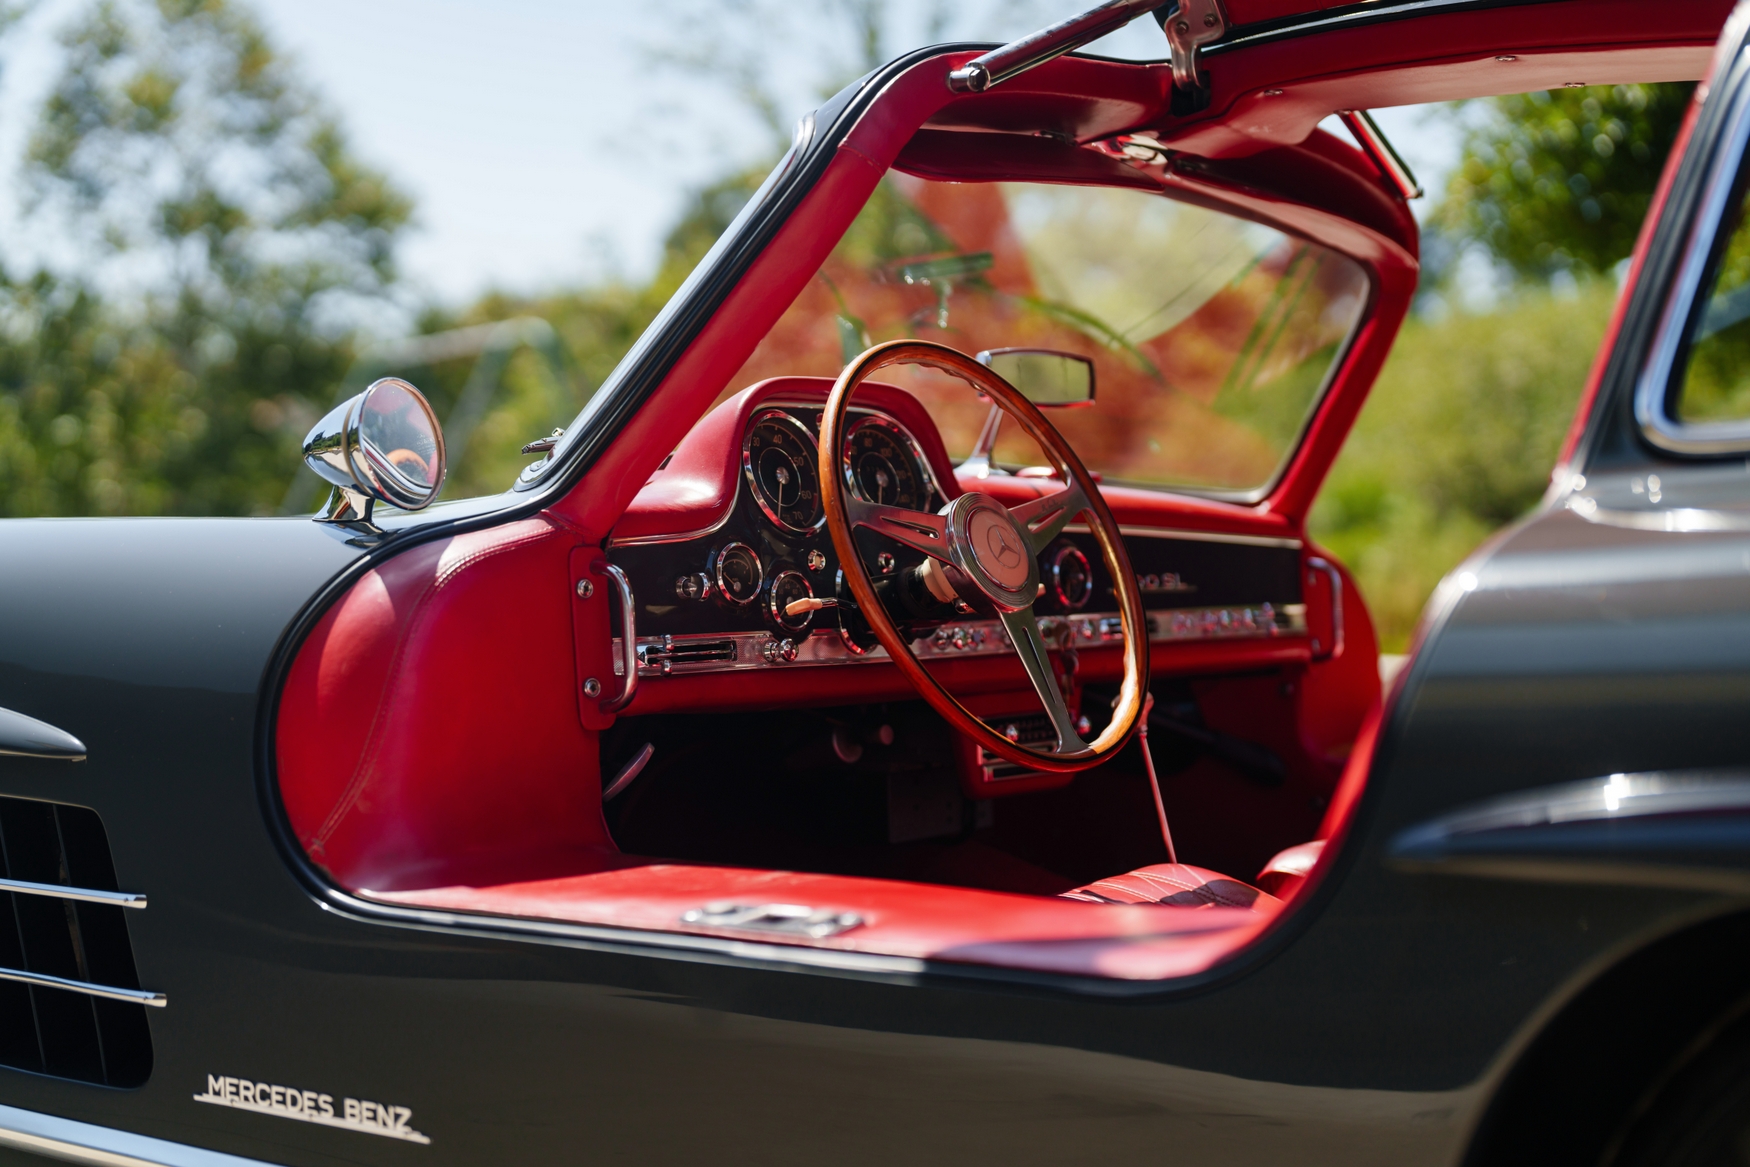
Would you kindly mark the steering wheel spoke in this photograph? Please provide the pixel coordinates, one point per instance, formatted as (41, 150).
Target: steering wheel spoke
(919, 530)
(1023, 629)
(1043, 519)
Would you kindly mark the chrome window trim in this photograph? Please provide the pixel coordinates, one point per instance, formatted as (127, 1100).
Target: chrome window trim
(1653, 388)
(84, 1142)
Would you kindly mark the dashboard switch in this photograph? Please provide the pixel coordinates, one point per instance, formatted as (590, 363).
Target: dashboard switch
(779, 652)
(696, 586)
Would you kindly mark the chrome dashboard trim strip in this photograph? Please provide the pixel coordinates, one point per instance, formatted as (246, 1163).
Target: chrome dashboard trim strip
(684, 537)
(88, 988)
(84, 895)
(84, 1142)
(1198, 536)
(757, 650)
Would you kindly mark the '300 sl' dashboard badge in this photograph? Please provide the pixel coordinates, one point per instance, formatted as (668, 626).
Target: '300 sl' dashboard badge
(353, 1114)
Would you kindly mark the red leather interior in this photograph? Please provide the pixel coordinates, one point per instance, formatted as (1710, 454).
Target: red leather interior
(1288, 868)
(428, 731)
(430, 745)
(1174, 885)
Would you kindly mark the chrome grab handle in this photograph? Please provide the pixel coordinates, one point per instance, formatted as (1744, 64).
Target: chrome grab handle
(1047, 44)
(1318, 563)
(628, 641)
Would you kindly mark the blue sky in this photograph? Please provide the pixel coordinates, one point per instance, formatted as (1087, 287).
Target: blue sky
(544, 142)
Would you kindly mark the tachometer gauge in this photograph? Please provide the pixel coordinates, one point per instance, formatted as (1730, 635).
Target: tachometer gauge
(738, 573)
(787, 588)
(882, 465)
(782, 466)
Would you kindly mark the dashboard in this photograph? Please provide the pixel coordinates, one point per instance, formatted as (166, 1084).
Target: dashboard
(730, 533)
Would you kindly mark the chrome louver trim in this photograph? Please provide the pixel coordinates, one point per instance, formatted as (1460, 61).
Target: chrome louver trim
(89, 988)
(83, 1142)
(84, 895)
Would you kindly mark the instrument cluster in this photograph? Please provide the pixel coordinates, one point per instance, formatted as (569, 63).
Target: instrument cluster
(753, 590)
(774, 550)
(881, 463)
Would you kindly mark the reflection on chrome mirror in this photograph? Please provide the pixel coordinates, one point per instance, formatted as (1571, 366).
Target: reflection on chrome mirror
(1046, 377)
(384, 445)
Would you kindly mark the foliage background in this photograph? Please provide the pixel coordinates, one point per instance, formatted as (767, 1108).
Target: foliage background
(228, 253)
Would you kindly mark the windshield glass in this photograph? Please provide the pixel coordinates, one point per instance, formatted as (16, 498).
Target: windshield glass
(1212, 336)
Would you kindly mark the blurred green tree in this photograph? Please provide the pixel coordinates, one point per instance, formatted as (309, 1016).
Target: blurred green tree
(1559, 180)
(205, 188)
(1457, 439)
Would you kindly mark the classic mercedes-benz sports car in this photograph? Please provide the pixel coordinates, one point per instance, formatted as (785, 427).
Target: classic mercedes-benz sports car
(903, 719)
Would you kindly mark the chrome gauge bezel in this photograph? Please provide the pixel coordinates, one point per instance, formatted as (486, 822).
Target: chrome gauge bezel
(882, 421)
(767, 506)
(1057, 589)
(759, 574)
(778, 617)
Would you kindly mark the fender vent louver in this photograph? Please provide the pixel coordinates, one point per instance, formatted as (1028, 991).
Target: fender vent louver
(74, 935)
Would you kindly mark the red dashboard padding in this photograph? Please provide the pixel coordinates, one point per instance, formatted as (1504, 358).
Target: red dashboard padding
(427, 731)
(923, 921)
(694, 491)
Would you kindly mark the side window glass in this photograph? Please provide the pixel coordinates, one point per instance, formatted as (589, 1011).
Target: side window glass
(1715, 383)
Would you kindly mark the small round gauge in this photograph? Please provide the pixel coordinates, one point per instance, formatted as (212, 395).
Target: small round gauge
(1072, 580)
(738, 573)
(787, 588)
(882, 465)
(782, 464)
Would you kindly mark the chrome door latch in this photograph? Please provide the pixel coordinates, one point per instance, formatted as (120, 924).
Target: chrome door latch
(782, 919)
(1190, 26)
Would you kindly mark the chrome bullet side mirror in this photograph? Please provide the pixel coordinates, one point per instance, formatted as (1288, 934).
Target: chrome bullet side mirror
(385, 445)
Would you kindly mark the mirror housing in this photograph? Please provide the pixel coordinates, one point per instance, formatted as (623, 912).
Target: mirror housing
(1048, 378)
(384, 445)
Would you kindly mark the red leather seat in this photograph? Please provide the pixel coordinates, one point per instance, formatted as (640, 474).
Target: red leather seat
(1174, 885)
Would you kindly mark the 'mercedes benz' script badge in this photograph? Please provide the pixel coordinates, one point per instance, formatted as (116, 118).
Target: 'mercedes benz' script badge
(352, 1114)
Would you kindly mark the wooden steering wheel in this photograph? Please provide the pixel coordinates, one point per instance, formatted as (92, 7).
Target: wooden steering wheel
(991, 553)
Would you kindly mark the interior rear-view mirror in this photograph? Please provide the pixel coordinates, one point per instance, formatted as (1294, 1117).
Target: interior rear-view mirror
(1044, 376)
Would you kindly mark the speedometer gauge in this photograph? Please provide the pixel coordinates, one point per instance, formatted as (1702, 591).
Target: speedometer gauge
(882, 465)
(782, 466)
